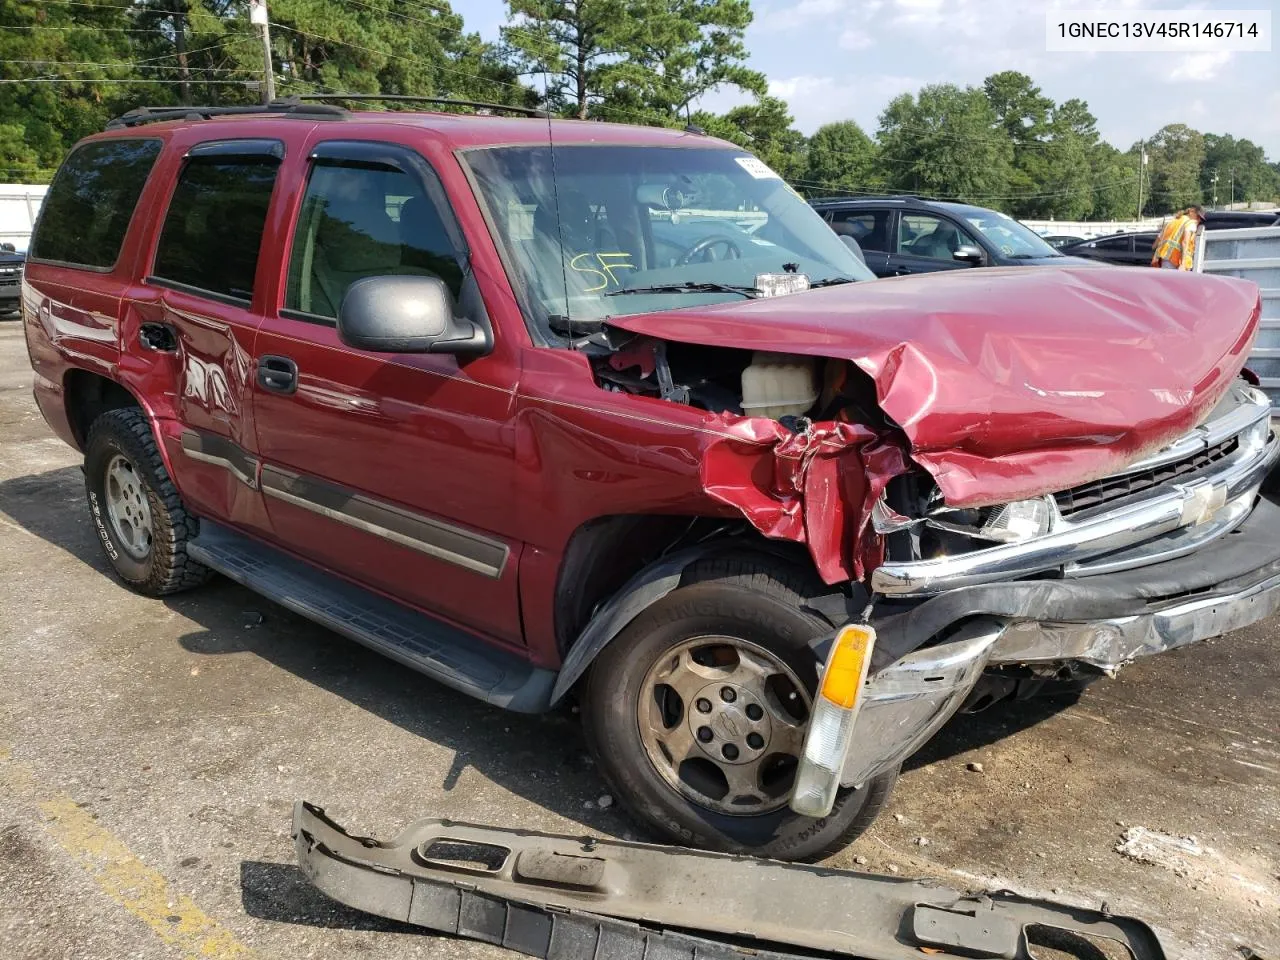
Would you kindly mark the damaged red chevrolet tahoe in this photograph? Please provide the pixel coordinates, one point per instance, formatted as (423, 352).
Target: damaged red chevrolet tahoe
(545, 408)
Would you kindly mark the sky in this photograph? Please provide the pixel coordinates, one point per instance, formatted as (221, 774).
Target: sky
(845, 59)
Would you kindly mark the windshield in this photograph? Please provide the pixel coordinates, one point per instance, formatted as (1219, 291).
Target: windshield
(581, 223)
(1009, 236)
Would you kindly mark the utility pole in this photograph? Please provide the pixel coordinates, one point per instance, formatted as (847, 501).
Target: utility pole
(1233, 189)
(258, 16)
(1142, 164)
(180, 49)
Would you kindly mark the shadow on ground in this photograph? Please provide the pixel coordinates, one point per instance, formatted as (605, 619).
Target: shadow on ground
(541, 759)
(280, 892)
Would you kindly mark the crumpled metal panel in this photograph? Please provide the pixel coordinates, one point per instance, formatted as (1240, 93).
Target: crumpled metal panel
(815, 487)
(1008, 383)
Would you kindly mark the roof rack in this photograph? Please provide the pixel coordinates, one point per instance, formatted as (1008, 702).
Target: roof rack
(406, 98)
(867, 196)
(288, 107)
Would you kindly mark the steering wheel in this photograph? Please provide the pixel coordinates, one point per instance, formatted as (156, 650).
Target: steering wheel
(732, 250)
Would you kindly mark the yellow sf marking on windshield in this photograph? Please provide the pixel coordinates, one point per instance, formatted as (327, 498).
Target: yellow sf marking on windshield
(173, 917)
(607, 263)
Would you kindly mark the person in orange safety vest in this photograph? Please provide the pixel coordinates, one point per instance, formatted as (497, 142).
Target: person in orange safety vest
(1175, 248)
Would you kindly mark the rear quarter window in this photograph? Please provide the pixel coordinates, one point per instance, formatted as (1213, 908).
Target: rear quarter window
(213, 229)
(86, 213)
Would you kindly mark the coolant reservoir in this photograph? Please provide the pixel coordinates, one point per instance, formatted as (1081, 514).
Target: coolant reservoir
(779, 385)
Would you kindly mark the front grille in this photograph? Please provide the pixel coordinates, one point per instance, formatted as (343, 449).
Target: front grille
(1099, 492)
(8, 281)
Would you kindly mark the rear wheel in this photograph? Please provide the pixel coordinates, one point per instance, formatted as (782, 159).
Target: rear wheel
(696, 714)
(139, 517)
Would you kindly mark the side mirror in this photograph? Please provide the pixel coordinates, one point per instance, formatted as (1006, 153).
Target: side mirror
(406, 314)
(968, 254)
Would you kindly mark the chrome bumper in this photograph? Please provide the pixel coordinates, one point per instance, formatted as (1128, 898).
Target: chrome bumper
(1107, 645)
(907, 702)
(904, 704)
(1172, 521)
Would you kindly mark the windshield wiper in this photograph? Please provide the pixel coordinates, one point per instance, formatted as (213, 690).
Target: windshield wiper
(1033, 256)
(749, 292)
(831, 282)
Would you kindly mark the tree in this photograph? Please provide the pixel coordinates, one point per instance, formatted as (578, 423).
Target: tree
(946, 142)
(401, 48)
(1177, 154)
(631, 59)
(1241, 169)
(763, 127)
(840, 157)
(1023, 113)
(1115, 183)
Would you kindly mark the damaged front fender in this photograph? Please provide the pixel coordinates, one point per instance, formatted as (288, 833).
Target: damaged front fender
(816, 486)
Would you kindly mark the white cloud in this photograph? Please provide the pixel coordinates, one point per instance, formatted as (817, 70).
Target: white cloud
(1195, 67)
(805, 85)
(854, 39)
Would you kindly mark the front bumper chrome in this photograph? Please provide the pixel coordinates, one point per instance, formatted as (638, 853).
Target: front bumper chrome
(1107, 645)
(1170, 521)
(907, 702)
(904, 704)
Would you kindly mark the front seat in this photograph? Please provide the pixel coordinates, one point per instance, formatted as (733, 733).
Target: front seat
(940, 244)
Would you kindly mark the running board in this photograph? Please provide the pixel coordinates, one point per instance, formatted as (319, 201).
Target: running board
(562, 898)
(445, 653)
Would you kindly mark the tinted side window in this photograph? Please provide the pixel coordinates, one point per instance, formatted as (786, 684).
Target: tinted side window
(1115, 243)
(869, 227)
(362, 221)
(87, 211)
(213, 229)
(923, 235)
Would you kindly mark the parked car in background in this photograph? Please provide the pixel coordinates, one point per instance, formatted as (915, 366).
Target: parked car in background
(1236, 219)
(11, 264)
(905, 235)
(1060, 240)
(1124, 249)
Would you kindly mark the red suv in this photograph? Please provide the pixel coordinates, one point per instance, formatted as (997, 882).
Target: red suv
(549, 407)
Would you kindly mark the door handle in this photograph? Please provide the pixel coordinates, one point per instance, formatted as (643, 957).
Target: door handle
(279, 374)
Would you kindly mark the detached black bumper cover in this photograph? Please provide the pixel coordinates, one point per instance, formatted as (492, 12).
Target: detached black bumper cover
(585, 899)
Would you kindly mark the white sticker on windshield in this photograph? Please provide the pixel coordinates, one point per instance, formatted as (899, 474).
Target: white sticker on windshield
(757, 168)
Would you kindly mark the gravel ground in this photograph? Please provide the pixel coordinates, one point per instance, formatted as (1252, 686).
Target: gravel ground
(151, 751)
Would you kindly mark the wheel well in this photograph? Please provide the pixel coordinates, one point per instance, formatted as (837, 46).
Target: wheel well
(90, 395)
(604, 553)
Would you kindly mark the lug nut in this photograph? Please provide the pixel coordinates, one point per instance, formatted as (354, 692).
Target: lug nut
(728, 694)
(705, 734)
(754, 712)
(703, 705)
(755, 741)
(730, 751)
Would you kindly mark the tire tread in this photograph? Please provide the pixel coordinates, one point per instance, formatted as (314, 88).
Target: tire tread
(171, 570)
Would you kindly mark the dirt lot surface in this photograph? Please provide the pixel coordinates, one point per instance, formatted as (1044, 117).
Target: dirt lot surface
(151, 751)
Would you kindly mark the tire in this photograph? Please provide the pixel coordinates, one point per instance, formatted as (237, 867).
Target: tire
(121, 439)
(758, 602)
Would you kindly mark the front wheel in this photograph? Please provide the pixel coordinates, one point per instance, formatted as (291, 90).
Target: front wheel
(696, 714)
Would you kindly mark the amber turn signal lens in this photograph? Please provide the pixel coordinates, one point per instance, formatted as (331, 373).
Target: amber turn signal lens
(847, 667)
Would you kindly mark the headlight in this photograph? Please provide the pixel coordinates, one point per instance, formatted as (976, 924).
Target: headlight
(1019, 520)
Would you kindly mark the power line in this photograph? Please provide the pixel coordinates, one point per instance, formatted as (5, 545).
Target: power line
(86, 26)
(865, 189)
(120, 64)
(122, 7)
(118, 80)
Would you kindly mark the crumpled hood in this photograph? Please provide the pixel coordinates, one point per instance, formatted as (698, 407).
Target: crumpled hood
(1011, 383)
